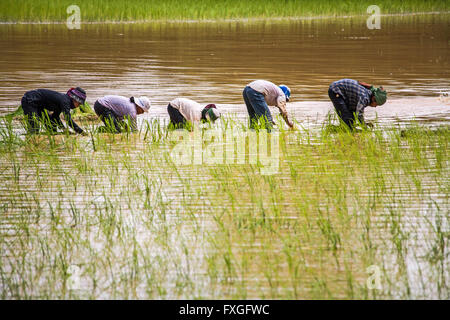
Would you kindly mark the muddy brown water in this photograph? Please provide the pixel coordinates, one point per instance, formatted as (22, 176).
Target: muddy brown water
(212, 62)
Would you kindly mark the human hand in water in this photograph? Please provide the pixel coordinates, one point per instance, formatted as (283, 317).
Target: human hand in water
(292, 125)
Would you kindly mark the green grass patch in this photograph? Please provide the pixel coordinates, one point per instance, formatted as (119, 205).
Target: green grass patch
(131, 223)
(140, 10)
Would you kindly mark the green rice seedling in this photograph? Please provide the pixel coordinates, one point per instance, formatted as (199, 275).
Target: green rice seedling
(139, 225)
(8, 137)
(140, 10)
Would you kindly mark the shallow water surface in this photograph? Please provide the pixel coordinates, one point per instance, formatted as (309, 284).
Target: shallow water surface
(212, 62)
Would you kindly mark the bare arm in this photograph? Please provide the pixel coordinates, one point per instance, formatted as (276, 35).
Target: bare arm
(286, 119)
(281, 104)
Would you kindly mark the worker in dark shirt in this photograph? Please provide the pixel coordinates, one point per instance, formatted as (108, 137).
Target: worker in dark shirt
(37, 105)
(351, 97)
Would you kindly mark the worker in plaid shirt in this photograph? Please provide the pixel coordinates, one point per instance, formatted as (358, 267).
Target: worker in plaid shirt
(350, 97)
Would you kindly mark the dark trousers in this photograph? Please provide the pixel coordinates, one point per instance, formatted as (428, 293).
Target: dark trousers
(176, 118)
(35, 113)
(257, 107)
(108, 117)
(341, 108)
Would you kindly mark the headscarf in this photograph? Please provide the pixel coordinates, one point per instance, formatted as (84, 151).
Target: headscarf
(77, 94)
(380, 95)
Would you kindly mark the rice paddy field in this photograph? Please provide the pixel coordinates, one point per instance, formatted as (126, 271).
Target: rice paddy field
(136, 224)
(141, 10)
(224, 212)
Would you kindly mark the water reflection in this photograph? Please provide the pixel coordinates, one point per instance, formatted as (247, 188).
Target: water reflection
(212, 62)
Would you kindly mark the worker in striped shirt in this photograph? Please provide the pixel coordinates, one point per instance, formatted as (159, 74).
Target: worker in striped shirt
(351, 97)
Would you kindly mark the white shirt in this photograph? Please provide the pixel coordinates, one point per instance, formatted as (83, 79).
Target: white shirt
(191, 110)
(273, 95)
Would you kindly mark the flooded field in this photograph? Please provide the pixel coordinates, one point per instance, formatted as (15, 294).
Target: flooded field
(315, 214)
(214, 61)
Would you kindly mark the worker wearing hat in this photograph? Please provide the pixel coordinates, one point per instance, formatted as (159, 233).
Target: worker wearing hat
(260, 94)
(37, 103)
(351, 97)
(115, 111)
(183, 110)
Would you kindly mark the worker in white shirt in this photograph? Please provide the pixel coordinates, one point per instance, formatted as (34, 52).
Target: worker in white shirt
(260, 94)
(182, 110)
